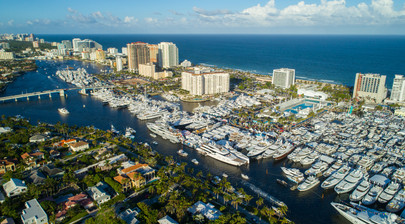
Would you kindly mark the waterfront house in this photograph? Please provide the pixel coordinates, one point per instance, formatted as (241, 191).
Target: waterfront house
(32, 159)
(38, 138)
(14, 187)
(98, 193)
(208, 210)
(33, 213)
(4, 130)
(125, 182)
(129, 216)
(167, 220)
(6, 165)
(145, 170)
(64, 142)
(79, 146)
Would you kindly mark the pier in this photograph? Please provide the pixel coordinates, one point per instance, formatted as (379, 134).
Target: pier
(49, 93)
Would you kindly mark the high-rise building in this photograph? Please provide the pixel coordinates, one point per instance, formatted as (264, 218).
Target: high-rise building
(100, 55)
(153, 53)
(398, 89)
(74, 43)
(283, 77)
(6, 55)
(168, 55)
(147, 70)
(118, 61)
(138, 53)
(370, 87)
(112, 50)
(124, 51)
(68, 44)
(35, 44)
(205, 83)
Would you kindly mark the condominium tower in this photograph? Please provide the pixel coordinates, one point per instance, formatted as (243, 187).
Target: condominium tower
(205, 83)
(168, 55)
(283, 77)
(370, 87)
(138, 53)
(398, 89)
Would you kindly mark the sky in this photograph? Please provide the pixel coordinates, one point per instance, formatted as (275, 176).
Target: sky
(203, 17)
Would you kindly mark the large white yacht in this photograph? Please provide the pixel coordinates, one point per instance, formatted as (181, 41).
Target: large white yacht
(379, 182)
(336, 177)
(359, 214)
(221, 154)
(360, 191)
(389, 192)
(397, 203)
(293, 174)
(309, 183)
(349, 182)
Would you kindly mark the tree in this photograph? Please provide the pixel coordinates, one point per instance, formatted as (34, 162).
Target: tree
(147, 215)
(259, 202)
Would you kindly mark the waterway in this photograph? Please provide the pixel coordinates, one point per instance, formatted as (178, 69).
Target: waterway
(304, 207)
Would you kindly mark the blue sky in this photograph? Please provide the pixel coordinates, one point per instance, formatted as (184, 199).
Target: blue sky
(203, 16)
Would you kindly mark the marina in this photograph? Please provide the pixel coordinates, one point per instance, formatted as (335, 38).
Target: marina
(330, 145)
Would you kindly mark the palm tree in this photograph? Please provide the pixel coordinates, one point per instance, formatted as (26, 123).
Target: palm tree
(248, 197)
(259, 202)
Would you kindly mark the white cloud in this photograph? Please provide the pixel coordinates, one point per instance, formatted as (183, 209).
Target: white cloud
(10, 22)
(130, 19)
(151, 20)
(71, 10)
(324, 13)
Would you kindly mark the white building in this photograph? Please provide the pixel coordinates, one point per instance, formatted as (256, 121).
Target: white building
(6, 55)
(79, 146)
(370, 87)
(118, 61)
(205, 83)
(14, 187)
(98, 194)
(85, 55)
(283, 77)
(147, 70)
(33, 213)
(186, 63)
(168, 55)
(124, 51)
(75, 42)
(313, 94)
(112, 50)
(398, 89)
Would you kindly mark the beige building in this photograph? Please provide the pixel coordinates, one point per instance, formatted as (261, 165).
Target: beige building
(149, 70)
(370, 87)
(283, 77)
(100, 55)
(138, 53)
(205, 83)
(153, 53)
(6, 55)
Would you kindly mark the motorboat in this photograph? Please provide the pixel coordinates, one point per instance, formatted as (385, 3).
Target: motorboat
(63, 111)
(397, 203)
(349, 182)
(244, 176)
(336, 177)
(195, 161)
(379, 182)
(309, 183)
(389, 192)
(183, 153)
(360, 191)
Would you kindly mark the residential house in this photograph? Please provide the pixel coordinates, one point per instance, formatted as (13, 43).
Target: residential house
(64, 142)
(167, 220)
(33, 213)
(4, 130)
(208, 210)
(79, 146)
(52, 172)
(6, 165)
(14, 187)
(144, 169)
(8, 221)
(125, 182)
(54, 154)
(36, 177)
(98, 193)
(38, 138)
(33, 159)
(129, 216)
(137, 180)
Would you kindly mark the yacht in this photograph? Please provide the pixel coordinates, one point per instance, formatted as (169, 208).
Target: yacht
(244, 176)
(153, 135)
(113, 130)
(360, 191)
(317, 168)
(397, 203)
(389, 192)
(181, 152)
(333, 168)
(63, 111)
(195, 161)
(222, 154)
(359, 214)
(309, 183)
(129, 132)
(336, 177)
(349, 182)
(372, 195)
(293, 174)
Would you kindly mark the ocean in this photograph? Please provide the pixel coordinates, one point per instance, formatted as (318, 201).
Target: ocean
(326, 58)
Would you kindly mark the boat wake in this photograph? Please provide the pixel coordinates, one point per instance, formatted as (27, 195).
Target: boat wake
(263, 194)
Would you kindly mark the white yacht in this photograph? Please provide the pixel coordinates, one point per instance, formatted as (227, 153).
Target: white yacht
(333, 168)
(222, 154)
(360, 191)
(181, 152)
(359, 214)
(389, 192)
(336, 177)
(309, 183)
(349, 182)
(397, 203)
(63, 111)
(195, 161)
(317, 168)
(379, 182)
(244, 176)
(130, 133)
(293, 174)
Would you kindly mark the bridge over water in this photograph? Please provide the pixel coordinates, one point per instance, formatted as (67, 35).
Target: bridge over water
(49, 93)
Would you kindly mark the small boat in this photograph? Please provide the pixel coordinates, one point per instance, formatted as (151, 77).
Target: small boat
(63, 111)
(195, 161)
(282, 182)
(244, 176)
(225, 175)
(155, 142)
(309, 183)
(181, 152)
(84, 106)
(113, 130)
(153, 135)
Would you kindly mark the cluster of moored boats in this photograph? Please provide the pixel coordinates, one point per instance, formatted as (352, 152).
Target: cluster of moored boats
(79, 77)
